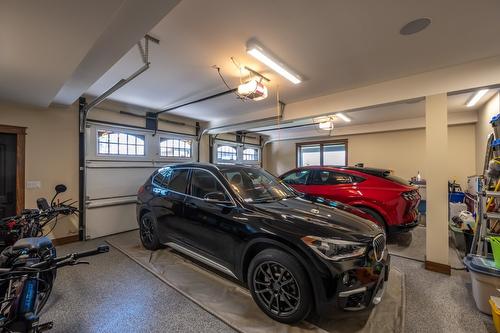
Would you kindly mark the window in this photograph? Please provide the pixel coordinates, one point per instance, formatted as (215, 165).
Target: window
(297, 177)
(324, 177)
(178, 180)
(120, 143)
(255, 185)
(328, 153)
(171, 147)
(172, 179)
(203, 183)
(226, 153)
(310, 155)
(250, 154)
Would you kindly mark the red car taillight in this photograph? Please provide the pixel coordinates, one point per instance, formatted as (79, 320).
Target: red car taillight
(410, 195)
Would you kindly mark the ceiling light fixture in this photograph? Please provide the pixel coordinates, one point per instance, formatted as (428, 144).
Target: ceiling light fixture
(343, 117)
(477, 96)
(326, 125)
(253, 89)
(265, 57)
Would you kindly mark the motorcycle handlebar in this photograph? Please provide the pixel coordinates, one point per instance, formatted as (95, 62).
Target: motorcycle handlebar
(70, 258)
(100, 249)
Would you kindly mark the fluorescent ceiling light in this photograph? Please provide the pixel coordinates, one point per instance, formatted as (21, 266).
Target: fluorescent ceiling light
(343, 117)
(476, 97)
(260, 54)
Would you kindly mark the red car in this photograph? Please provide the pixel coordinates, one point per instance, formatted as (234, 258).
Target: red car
(391, 201)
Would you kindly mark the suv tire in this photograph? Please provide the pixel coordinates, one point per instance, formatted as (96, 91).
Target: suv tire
(148, 231)
(280, 287)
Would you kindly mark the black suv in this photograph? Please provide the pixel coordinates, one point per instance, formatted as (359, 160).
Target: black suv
(296, 254)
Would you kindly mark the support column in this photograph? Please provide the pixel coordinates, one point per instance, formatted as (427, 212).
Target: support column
(436, 174)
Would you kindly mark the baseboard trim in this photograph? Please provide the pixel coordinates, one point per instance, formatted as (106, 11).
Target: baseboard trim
(65, 240)
(437, 267)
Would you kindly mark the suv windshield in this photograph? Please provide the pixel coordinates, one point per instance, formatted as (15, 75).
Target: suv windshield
(255, 185)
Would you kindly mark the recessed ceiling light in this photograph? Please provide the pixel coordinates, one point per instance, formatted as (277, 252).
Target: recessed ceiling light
(343, 117)
(477, 96)
(270, 61)
(415, 26)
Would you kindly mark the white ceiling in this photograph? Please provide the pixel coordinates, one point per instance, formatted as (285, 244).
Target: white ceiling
(335, 45)
(45, 43)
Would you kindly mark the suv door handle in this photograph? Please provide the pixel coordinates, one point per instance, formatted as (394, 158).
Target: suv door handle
(191, 205)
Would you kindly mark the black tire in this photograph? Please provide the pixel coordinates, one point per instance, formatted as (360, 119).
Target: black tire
(280, 287)
(148, 232)
(376, 216)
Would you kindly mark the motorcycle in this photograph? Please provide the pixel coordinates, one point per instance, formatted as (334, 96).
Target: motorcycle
(30, 225)
(23, 297)
(31, 222)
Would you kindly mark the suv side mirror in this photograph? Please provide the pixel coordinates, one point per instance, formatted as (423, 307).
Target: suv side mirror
(215, 197)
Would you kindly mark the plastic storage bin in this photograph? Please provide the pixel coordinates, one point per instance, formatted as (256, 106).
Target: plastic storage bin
(456, 197)
(495, 247)
(485, 280)
(495, 312)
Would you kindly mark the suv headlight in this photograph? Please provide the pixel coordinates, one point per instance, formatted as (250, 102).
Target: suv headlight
(334, 249)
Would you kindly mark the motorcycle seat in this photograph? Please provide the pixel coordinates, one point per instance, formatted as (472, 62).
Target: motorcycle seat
(32, 243)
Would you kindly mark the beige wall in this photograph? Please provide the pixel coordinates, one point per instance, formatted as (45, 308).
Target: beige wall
(51, 154)
(401, 151)
(483, 129)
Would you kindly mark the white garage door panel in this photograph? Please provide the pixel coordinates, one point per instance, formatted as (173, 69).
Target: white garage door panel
(115, 182)
(110, 220)
(112, 181)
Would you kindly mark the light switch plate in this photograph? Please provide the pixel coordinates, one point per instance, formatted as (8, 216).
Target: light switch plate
(31, 184)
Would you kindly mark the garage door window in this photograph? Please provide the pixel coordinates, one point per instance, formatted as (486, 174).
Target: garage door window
(120, 143)
(250, 154)
(171, 147)
(226, 153)
(328, 153)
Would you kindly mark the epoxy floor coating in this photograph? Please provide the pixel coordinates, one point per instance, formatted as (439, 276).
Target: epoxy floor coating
(114, 294)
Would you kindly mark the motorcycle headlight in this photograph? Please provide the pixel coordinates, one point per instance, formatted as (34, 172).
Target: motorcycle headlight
(334, 249)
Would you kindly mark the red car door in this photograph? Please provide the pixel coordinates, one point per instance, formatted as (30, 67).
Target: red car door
(332, 185)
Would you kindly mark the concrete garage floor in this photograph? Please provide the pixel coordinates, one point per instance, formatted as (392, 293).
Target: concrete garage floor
(114, 294)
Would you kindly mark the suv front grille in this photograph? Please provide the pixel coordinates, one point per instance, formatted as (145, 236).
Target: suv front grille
(379, 246)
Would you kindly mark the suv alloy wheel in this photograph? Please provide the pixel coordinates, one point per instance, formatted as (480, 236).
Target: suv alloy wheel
(280, 286)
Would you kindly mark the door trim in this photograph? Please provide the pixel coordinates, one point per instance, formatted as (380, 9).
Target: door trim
(20, 161)
(201, 258)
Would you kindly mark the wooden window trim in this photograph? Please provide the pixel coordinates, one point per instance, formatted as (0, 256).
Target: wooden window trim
(20, 162)
(321, 143)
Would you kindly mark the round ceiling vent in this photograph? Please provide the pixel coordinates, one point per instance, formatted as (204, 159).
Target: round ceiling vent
(415, 26)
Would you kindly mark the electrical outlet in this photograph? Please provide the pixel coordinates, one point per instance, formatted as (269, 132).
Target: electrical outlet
(32, 184)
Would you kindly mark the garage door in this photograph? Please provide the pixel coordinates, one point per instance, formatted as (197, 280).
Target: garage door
(118, 161)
